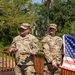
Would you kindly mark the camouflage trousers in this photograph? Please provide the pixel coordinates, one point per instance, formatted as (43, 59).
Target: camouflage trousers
(24, 70)
(51, 70)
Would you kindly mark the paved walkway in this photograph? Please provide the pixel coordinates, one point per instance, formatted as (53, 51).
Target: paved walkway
(7, 73)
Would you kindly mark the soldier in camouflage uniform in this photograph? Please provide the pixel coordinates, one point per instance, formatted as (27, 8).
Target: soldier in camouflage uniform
(52, 45)
(24, 46)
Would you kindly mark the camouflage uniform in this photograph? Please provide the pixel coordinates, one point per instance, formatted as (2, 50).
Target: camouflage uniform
(24, 63)
(52, 48)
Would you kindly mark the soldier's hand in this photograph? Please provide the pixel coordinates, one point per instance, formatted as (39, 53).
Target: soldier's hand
(14, 49)
(54, 63)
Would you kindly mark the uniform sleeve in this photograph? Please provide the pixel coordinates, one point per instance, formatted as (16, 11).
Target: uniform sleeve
(46, 48)
(60, 45)
(13, 45)
(59, 42)
(35, 45)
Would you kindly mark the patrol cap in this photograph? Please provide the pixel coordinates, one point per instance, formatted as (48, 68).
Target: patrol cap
(25, 26)
(54, 26)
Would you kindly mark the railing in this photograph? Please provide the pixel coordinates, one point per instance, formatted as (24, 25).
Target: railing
(7, 61)
(66, 72)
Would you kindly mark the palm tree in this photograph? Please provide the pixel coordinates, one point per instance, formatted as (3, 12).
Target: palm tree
(48, 6)
(51, 3)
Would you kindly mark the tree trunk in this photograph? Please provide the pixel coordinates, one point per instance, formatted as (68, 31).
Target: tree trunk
(51, 3)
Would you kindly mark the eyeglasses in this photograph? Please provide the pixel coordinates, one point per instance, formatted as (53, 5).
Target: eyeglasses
(22, 30)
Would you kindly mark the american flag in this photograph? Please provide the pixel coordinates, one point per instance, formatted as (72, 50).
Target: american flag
(69, 52)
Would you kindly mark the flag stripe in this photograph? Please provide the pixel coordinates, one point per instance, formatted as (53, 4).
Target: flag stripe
(70, 62)
(68, 68)
(70, 59)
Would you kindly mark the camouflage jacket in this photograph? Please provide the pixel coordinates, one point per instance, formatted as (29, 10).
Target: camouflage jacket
(52, 48)
(30, 44)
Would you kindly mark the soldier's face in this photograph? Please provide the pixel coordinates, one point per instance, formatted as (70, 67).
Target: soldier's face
(24, 32)
(52, 31)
